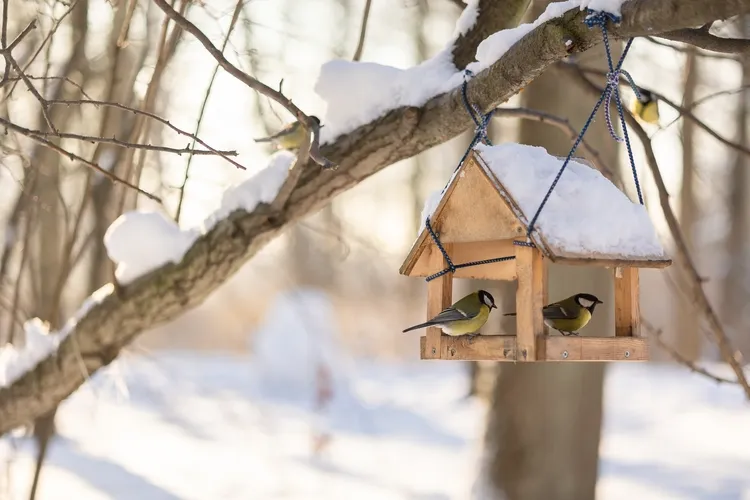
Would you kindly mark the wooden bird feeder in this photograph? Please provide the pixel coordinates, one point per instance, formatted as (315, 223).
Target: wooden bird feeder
(486, 206)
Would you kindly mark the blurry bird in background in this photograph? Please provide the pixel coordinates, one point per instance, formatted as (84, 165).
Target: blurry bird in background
(569, 315)
(645, 106)
(465, 317)
(291, 136)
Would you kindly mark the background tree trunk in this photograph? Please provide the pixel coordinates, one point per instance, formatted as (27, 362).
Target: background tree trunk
(542, 436)
(687, 336)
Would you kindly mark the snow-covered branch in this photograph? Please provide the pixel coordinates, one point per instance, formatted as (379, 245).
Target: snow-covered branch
(506, 62)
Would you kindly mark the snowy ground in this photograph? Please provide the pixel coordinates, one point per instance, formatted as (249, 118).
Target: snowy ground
(187, 426)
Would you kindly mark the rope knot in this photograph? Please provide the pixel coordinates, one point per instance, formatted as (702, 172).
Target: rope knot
(600, 18)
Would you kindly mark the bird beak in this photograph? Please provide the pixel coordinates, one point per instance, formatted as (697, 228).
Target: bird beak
(599, 302)
(493, 306)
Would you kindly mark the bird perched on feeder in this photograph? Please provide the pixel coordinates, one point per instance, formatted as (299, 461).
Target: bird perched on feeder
(291, 136)
(465, 317)
(569, 315)
(646, 107)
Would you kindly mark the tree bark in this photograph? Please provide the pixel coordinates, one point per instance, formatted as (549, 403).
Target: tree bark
(542, 436)
(173, 289)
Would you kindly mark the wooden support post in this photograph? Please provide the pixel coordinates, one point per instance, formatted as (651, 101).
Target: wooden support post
(627, 307)
(529, 301)
(439, 296)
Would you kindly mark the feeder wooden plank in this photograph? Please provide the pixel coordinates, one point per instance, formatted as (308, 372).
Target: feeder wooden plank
(460, 253)
(505, 347)
(610, 262)
(473, 211)
(439, 296)
(559, 348)
(529, 301)
(482, 348)
(627, 303)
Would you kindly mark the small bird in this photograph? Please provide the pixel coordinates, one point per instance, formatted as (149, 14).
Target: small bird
(569, 315)
(291, 136)
(646, 107)
(465, 317)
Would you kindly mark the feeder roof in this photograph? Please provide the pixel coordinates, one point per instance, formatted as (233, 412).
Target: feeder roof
(498, 189)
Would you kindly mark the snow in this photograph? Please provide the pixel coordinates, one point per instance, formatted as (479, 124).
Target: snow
(39, 343)
(467, 19)
(139, 241)
(192, 427)
(260, 188)
(585, 214)
(357, 93)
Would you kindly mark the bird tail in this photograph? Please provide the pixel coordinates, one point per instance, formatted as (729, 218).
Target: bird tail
(421, 325)
(265, 139)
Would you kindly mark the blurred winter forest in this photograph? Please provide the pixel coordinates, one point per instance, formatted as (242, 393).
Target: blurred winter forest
(293, 379)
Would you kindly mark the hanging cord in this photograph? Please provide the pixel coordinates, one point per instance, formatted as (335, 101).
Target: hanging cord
(451, 266)
(481, 123)
(611, 89)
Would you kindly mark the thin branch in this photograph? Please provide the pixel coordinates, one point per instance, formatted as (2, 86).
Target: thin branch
(682, 110)
(683, 49)
(4, 37)
(153, 116)
(292, 178)
(561, 123)
(122, 38)
(204, 104)
(705, 40)
(251, 82)
(175, 288)
(698, 293)
(362, 32)
(656, 335)
(124, 144)
(33, 135)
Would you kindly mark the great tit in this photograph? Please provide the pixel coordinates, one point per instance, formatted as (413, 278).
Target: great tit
(291, 136)
(569, 315)
(646, 107)
(465, 317)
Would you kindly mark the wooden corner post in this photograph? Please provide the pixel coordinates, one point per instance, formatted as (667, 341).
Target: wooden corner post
(439, 296)
(529, 302)
(627, 306)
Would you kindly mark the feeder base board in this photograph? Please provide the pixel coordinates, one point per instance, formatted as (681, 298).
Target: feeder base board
(549, 348)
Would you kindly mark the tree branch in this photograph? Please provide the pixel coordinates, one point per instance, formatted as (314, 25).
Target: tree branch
(166, 293)
(705, 40)
(698, 294)
(251, 82)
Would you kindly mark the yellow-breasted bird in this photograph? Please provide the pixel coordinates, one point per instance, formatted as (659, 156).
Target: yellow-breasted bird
(646, 107)
(290, 137)
(465, 317)
(569, 315)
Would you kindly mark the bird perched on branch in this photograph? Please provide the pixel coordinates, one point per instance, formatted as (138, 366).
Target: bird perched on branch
(291, 136)
(569, 315)
(465, 317)
(646, 107)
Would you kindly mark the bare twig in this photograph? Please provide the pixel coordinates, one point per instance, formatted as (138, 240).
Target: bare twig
(122, 38)
(705, 40)
(153, 116)
(656, 335)
(4, 37)
(251, 82)
(701, 53)
(362, 32)
(292, 178)
(561, 123)
(204, 104)
(682, 110)
(33, 135)
(698, 294)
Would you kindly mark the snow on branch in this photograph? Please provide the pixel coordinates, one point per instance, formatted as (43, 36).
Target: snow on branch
(169, 289)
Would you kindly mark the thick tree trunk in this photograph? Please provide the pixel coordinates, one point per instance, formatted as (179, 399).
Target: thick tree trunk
(542, 436)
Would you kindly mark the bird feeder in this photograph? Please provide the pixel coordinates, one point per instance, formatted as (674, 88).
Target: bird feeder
(483, 213)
